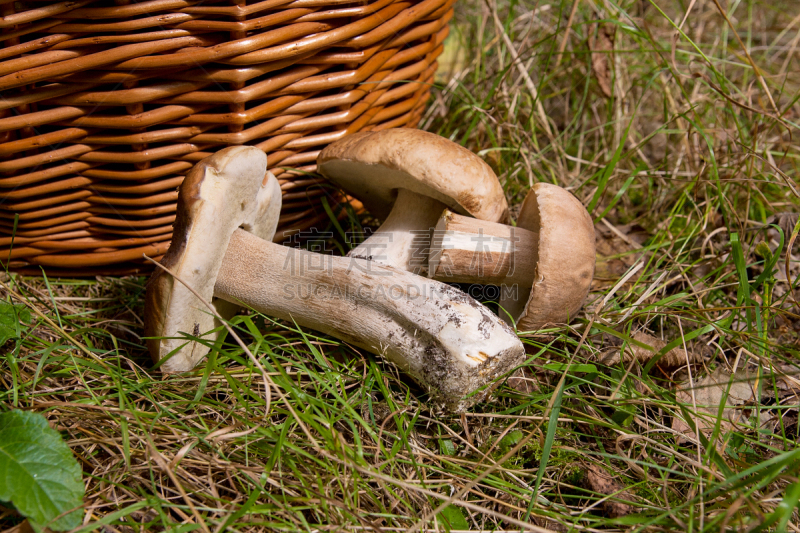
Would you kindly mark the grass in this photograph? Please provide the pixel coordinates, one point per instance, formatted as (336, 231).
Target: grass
(676, 123)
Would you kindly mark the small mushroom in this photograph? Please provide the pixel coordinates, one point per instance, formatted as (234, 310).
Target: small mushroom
(545, 264)
(407, 177)
(445, 340)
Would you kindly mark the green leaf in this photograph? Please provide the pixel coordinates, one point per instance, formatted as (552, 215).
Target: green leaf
(743, 291)
(446, 447)
(41, 478)
(623, 417)
(12, 321)
(453, 518)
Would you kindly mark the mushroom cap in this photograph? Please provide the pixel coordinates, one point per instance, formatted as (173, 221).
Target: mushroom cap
(228, 190)
(566, 253)
(373, 165)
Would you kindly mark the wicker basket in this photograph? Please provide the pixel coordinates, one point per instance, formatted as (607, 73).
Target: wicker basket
(107, 104)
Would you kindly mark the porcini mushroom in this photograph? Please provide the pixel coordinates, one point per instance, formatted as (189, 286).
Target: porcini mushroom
(545, 265)
(213, 203)
(407, 177)
(445, 340)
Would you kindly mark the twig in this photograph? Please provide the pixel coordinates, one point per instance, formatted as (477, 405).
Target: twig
(567, 31)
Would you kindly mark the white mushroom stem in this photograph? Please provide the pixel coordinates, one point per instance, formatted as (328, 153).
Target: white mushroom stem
(467, 250)
(447, 341)
(403, 239)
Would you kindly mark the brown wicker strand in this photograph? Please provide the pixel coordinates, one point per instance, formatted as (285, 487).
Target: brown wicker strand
(108, 103)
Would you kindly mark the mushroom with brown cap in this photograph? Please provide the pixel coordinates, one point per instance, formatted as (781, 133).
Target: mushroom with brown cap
(545, 264)
(213, 203)
(407, 177)
(445, 340)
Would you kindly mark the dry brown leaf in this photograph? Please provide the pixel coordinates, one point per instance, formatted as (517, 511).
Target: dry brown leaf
(785, 384)
(546, 523)
(613, 253)
(524, 381)
(380, 411)
(24, 527)
(602, 47)
(708, 395)
(601, 482)
(786, 221)
(673, 358)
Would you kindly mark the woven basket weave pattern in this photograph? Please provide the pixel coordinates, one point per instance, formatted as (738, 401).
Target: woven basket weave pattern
(107, 104)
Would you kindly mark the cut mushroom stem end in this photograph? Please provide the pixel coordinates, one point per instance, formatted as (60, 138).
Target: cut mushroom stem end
(467, 250)
(549, 257)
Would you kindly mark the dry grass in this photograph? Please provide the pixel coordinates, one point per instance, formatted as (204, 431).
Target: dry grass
(676, 122)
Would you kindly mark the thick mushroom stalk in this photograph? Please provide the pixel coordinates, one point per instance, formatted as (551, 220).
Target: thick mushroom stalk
(467, 250)
(545, 265)
(448, 342)
(403, 239)
(408, 177)
(445, 340)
